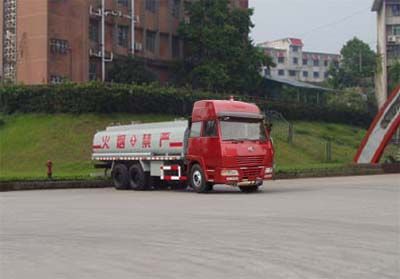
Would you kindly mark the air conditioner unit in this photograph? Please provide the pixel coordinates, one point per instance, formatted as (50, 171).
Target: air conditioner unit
(138, 46)
(94, 12)
(392, 39)
(95, 53)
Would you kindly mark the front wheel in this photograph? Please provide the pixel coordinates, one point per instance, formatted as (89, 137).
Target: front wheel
(198, 180)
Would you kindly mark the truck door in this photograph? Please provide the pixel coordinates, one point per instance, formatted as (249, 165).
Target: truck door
(210, 143)
(194, 145)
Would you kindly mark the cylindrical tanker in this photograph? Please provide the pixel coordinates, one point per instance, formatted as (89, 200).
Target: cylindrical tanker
(154, 139)
(224, 142)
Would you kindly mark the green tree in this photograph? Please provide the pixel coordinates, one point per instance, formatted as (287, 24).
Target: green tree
(130, 70)
(357, 66)
(219, 56)
(394, 75)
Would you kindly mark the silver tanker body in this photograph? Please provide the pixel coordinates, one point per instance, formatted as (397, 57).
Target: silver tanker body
(140, 140)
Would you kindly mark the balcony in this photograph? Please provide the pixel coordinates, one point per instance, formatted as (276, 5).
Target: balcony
(393, 39)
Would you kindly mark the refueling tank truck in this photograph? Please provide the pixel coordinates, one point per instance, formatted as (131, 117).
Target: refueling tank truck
(224, 142)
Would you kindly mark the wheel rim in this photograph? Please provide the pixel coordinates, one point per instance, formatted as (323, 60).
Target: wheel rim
(197, 178)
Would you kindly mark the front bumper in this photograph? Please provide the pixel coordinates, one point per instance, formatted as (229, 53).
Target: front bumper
(247, 176)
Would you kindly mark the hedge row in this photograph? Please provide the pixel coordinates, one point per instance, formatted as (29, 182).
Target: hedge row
(293, 111)
(98, 98)
(121, 98)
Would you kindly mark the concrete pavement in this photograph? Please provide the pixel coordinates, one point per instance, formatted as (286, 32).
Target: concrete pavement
(344, 227)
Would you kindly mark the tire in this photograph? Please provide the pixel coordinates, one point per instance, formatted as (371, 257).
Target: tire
(249, 189)
(138, 180)
(120, 177)
(198, 180)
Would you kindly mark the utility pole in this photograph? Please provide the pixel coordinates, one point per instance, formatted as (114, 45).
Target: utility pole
(360, 60)
(103, 41)
(133, 27)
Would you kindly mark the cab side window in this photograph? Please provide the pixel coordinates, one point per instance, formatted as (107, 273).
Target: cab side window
(210, 128)
(195, 131)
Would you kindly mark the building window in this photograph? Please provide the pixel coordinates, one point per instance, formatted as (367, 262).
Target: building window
(316, 74)
(292, 73)
(123, 35)
(281, 59)
(393, 52)
(176, 7)
(176, 47)
(56, 79)
(326, 63)
(305, 61)
(281, 72)
(150, 41)
(58, 46)
(94, 31)
(336, 64)
(305, 74)
(396, 30)
(316, 62)
(295, 60)
(151, 5)
(124, 3)
(92, 71)
(395, 9)
(295, 48)
(326, 75)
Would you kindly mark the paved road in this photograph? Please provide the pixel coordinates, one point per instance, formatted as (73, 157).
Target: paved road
(311, 228)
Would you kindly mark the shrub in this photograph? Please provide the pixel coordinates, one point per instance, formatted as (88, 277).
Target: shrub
(139, 99)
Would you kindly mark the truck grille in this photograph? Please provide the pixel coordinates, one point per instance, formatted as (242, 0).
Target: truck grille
(251, 173)
(245, 161)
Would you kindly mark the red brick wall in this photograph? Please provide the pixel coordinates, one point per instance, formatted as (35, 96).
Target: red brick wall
(32, 41)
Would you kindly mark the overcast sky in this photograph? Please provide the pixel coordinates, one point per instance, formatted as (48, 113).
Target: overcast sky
(324, 25)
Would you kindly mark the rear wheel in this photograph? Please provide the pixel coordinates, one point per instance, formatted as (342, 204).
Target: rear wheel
(120, 177)
(249, 189)
(198, 180)
(138, 180)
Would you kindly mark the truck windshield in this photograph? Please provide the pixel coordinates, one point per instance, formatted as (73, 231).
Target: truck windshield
(242, 129)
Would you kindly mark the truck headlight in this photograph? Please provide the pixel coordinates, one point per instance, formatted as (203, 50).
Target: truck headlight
(268, 170)
(229, 173)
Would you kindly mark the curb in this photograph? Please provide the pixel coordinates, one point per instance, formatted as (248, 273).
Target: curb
(352, 170)
(48, 185)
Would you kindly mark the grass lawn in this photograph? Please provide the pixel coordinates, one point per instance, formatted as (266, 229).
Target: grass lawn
(27, 141)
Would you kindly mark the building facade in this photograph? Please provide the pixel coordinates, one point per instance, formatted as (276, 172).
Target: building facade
(293, 63)
(388, 43)
(49, 41)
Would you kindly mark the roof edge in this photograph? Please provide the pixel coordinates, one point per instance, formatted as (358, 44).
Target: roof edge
(376, 5)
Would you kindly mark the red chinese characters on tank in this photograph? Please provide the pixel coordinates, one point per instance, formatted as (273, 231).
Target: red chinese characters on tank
(146, 142)
(121, 142)
(105, 142)
(133, 140)
(164, 137)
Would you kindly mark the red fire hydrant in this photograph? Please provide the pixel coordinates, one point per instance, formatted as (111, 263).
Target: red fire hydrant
(49, 165)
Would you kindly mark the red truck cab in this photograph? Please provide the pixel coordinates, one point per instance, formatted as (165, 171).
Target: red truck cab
(228, 144)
